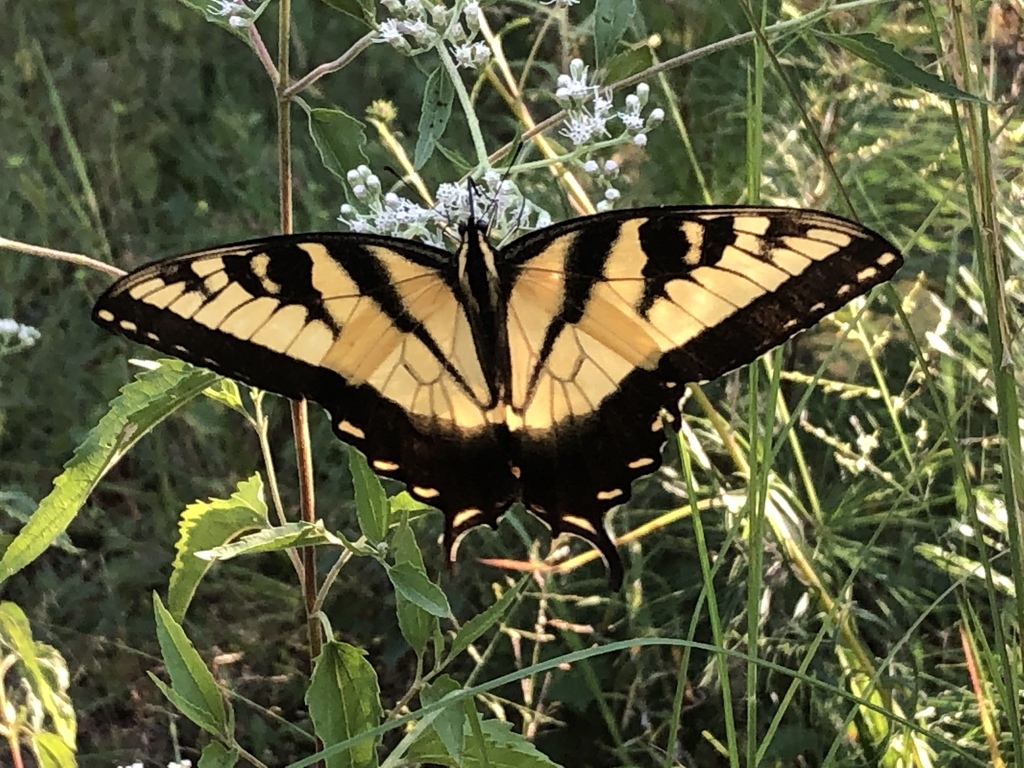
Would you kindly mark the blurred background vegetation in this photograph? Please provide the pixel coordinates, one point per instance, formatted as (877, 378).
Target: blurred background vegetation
(137, 131)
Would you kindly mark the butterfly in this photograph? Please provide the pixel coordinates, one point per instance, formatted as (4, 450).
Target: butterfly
(536, 372)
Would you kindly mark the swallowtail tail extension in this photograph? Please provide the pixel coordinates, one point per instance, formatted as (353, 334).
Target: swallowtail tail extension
(537, 372)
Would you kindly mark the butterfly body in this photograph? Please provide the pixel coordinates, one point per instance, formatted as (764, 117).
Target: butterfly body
(537, 372)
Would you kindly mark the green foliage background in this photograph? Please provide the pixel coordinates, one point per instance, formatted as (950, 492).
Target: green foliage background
(132, 132)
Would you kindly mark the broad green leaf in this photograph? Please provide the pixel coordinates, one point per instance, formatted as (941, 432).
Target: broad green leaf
(371, 501)
(413, 585)
(611, 19)
(504, 749)
(145, 402)
(208, 524)
(344, 701)
(417, 625)
(361, 10)
(51, 750)
(480, 623)
(438, 96)
(287, 536)
(339, 138)
(44, 668)
(450, 724)
(626, 63)
(216, 755)
(191, 680)
(882, 54)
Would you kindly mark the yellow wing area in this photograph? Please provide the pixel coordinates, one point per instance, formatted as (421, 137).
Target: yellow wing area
(580, 321)
(403, 332)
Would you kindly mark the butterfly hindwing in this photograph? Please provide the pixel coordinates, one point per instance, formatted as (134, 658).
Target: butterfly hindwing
(369, 327)
(610, 315)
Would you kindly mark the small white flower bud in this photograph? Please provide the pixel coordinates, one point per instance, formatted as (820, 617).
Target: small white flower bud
(640, 139)
(590, 166)
(610, 166)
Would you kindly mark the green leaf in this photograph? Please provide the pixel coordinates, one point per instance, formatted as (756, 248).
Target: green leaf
(339, 138)
(406, 502)
(225, 392)
(344, 701)
(192, 684)
(371, 501)
(450, 724)
(611, 19)
(145, 402)
(287, 536)
(51, 750)
(882, 54)
(438, 96)
(417, 625)
(480, 623)
(216, 755)
(44, 669)
(626, 63)
(413, 585)
(503, 748)
(205, 525)
(186, 706)
(361, 10)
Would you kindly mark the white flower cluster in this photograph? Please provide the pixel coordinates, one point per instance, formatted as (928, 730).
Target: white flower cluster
(419, 25)
(591, 109)
(15, 336)
(497, 201)
(239, 14)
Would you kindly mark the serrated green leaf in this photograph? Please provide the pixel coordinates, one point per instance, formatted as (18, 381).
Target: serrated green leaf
(611, 19)
(192, 683)
(339, 138)
(287, 536)
(216, 755)
(503, 747)
(51, 751)
(416, 624)
(371, 501)
(143, 403)
(882, 54)
(205, 525)
(20, 507)
(626, 63)
(361, 10)
(438, 96)
(450, 724)
(344, 701)
(480, 623)
(414, 586)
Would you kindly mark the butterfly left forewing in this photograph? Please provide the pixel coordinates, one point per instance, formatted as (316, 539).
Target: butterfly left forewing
(609, 315)
(369, 327)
